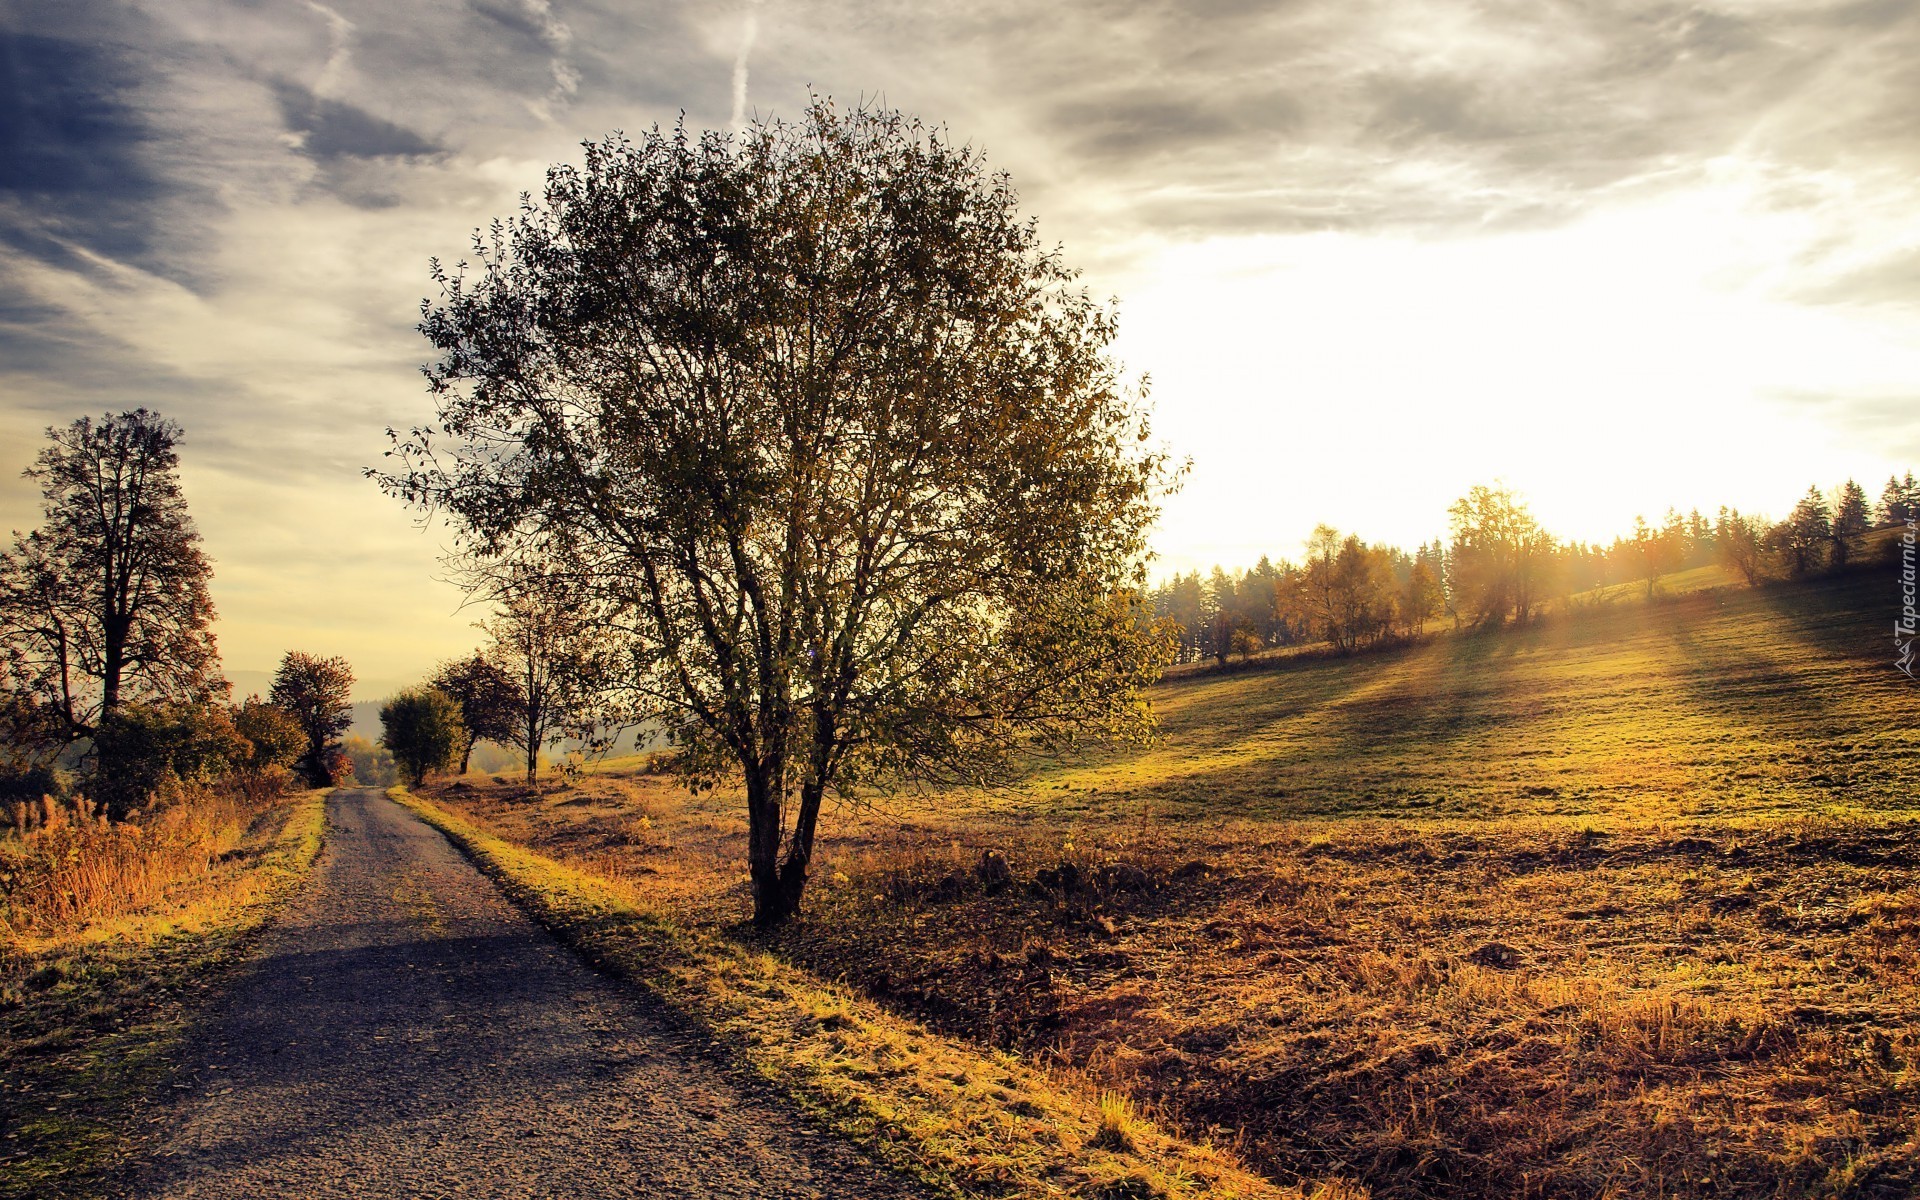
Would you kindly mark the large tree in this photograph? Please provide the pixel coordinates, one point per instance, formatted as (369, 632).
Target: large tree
(828, 435)
(107, 603)
(318, 693)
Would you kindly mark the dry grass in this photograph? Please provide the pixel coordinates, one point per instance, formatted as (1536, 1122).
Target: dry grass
(967, 1122)
(1622, 905)
(76, 865)
(95, 987)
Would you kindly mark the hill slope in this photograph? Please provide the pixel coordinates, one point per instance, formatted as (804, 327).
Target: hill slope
(1721, 702)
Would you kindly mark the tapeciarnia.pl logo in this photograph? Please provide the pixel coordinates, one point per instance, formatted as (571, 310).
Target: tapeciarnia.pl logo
(1905, 628)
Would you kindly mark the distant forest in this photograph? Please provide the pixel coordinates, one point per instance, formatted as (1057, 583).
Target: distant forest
(1498, 565)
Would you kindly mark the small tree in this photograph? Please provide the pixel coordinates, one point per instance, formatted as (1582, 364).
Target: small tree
(421, 728)
(1740, 543)
(1802, 539)
(1420, 596)
(318, 693)
(275, 741)
(1897, 500)
(107, 601)
(1850, 521)
(831, 441)
(545, 649)
(1656, 551)
(489, 702)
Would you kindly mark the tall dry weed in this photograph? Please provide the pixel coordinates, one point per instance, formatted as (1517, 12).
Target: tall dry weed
(77, 866)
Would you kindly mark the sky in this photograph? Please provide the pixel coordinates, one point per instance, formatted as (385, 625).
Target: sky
(1623, 256)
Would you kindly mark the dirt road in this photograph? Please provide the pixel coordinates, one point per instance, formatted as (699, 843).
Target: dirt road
(407, 1032)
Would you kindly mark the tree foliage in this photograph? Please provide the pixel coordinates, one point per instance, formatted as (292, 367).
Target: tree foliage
(106, 602)
(275, 741)
(421, 728)
(149, 745)
(1499, 555)
(812, 421)
(490, 703)
(318, 693)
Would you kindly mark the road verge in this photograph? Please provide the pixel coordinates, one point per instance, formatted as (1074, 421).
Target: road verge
(89, 1016)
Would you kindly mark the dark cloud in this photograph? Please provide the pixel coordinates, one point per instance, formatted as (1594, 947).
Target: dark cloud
(73, 151)
(333, 129)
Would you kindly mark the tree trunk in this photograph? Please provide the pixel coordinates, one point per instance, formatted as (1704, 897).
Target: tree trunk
(773, 899)
(533, 751)
(793, 871)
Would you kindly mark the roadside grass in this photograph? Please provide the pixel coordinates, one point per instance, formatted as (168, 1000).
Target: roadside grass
(96, 988)
(963, 1120)
(1623, 904)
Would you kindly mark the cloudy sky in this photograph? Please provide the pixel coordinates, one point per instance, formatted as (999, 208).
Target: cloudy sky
(1624, 255)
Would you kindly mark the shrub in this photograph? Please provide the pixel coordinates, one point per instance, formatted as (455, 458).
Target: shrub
(275, 740)
(141, 746)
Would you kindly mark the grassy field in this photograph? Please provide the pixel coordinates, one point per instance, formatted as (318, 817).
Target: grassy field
(1625, 903)
(91, 1005)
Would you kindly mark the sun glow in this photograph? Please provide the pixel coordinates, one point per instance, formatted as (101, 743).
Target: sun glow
(1643, 358)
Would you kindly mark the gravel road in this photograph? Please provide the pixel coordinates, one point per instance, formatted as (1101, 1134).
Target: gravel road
(406, 1031)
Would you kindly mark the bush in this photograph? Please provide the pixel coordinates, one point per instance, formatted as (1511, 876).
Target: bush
(275, 739)
(141, 747)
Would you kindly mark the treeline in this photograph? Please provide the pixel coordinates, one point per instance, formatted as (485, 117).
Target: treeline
(113, 704)
(1498, 565)
(112, 700)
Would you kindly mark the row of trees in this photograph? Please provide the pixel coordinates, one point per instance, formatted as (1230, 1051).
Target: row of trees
(538, 681)
(108, 663)
(1500, 565)
(112, 671)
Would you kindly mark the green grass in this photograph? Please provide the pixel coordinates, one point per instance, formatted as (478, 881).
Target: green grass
(89, 1016)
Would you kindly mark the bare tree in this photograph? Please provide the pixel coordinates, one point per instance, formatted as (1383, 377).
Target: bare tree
(828, 437)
